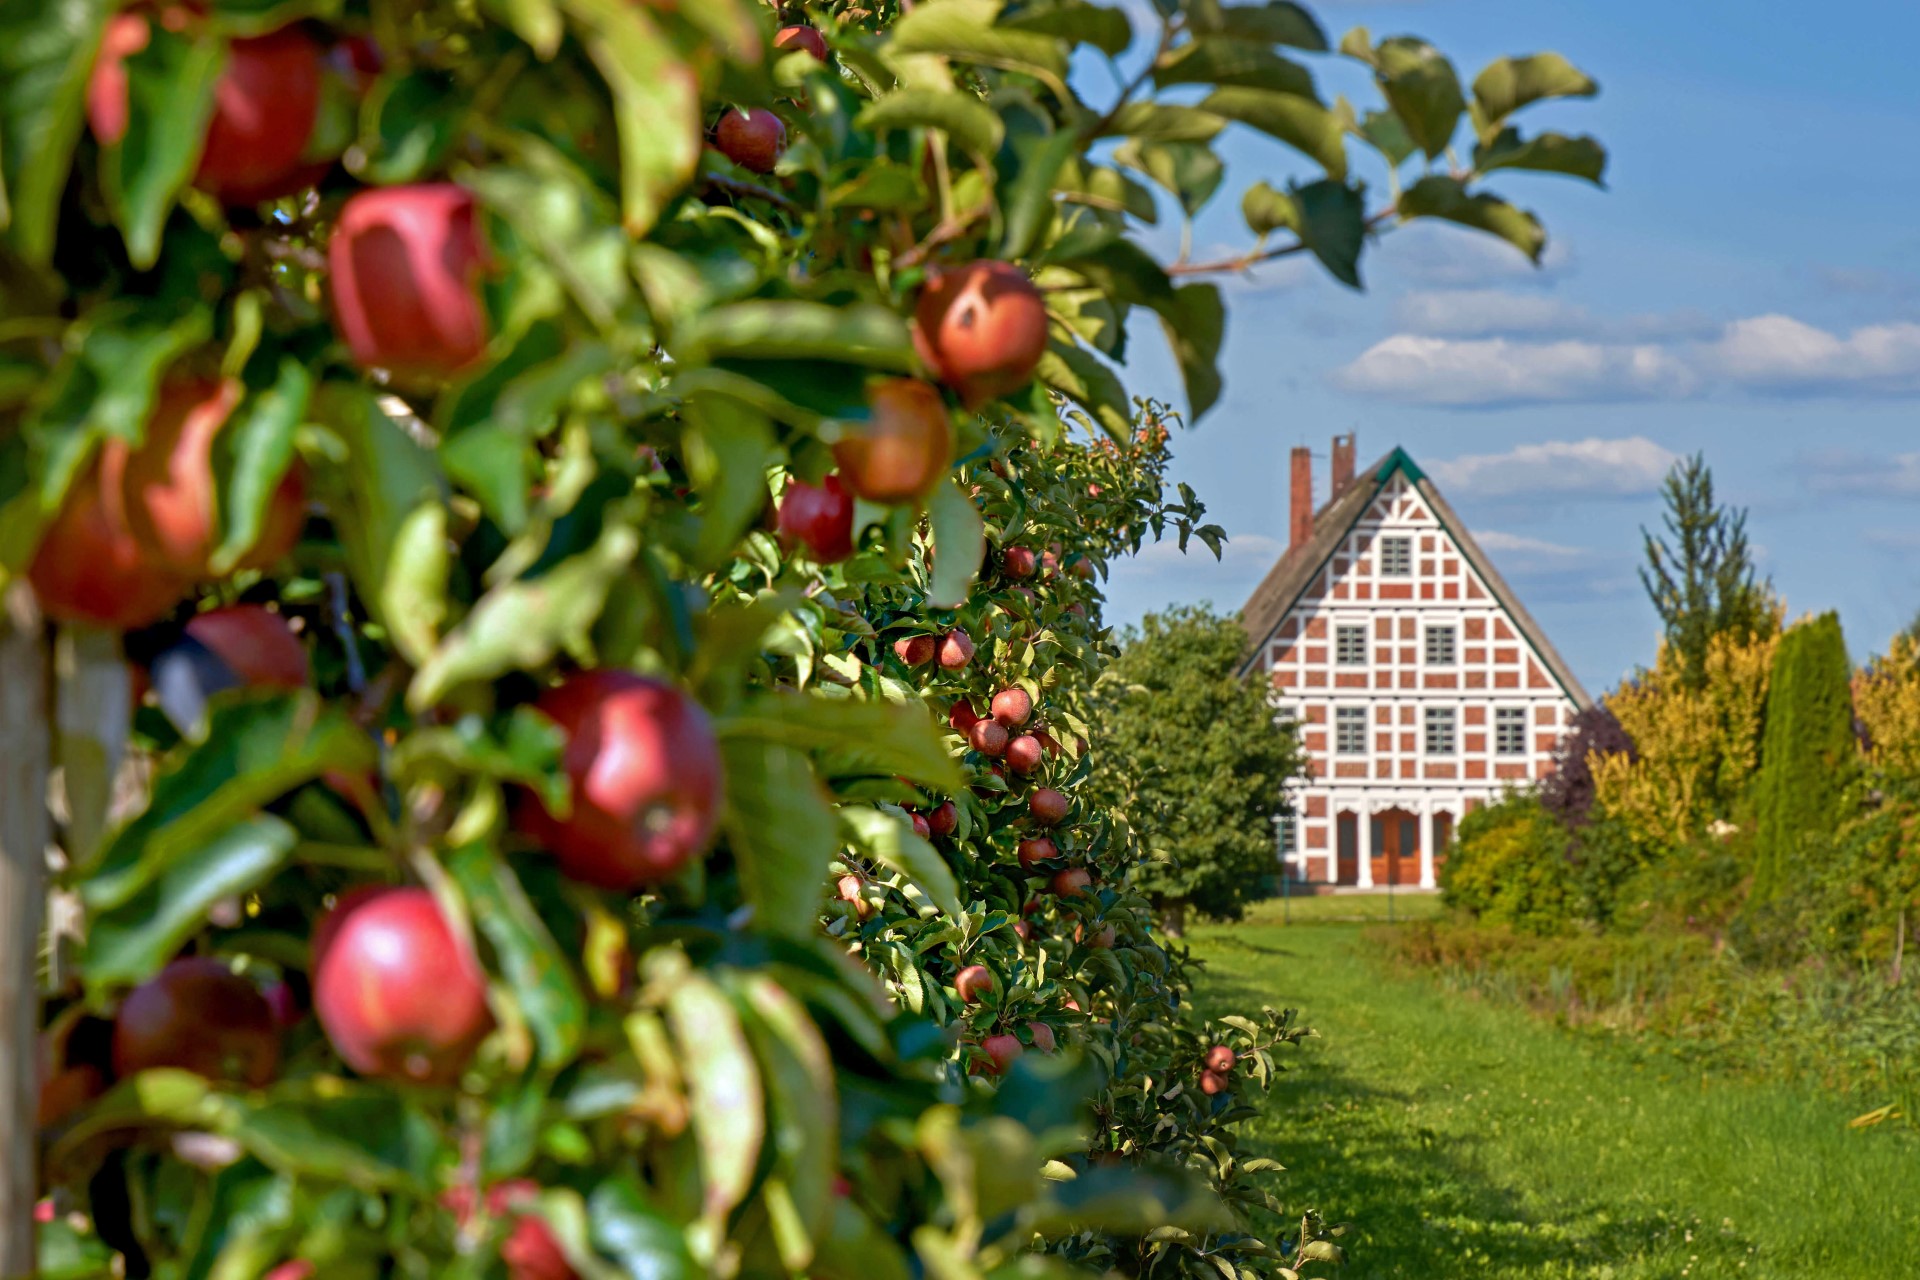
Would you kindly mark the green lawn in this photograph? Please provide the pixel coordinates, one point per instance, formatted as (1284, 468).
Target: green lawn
(1466, 1139)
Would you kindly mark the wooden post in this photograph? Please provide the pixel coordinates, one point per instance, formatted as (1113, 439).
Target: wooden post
(25, 830)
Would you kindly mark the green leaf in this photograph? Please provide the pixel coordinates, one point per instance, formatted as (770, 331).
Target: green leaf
(46, 60)
(538, 22)
(1444, 197)
(1083, 378)
(536, 972)
(1276, 22)
(1027, 202)
(959, 542)
(556, 209)
(410, 124)
(1192, 173)
(259, 441)
(782, 831)
(1388, 136)
(966, 119)
(1195, 322)
(888, 838)
(1225, 61)
(728, 447)
(413, 595)
(132, 941)
(522, 747)
(656, 99)
(965, 30)
(1267, 210)
(521, 624)
(258, 17)
(645, 1243)
(723, 1093)
(333, 1130)
(1121, 269)
(1357, 44)
(1508, 84)
(803, 1104)
(169, 101)
(1104, 27)
(1581, 157)
(1423, 90)
(769, 329)
(854, 735)
(256, 750)
(1163, 122)
(1302, 124)
(1333, 225)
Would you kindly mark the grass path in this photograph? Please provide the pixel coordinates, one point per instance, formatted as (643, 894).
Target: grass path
(1465, 1139)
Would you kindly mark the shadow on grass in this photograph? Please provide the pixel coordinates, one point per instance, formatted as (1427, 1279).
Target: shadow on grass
(1426, 1205)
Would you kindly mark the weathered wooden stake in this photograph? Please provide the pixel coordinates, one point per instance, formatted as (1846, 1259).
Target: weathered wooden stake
(25, 829)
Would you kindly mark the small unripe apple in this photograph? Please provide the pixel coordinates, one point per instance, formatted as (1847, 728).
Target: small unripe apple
(1220, 1058)
(904, 447)
(1011, 707)
(752, 139)
(1018, 562)
(1070, 882)
(646, 776)
(971, 981)
(1212, 1082)
(1042, 1036)
(395, 990)
(802, 37)
(1023, 754)
(404, 270)
(981, 329)
(944, 820)
(199, 1016)
(1048, 807)
(956, 649)
(255, 643)
(1002, 1051)
(921, 827)
(988, 737)
(1102, 939)
(915, 651)
(819, 517)
(1037, 849)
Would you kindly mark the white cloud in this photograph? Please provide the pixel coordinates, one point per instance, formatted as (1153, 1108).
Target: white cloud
(1770, 354)
(1620, 468)
(1488, 313)
(1862, 474)
(1493, 371)
(1516, 545)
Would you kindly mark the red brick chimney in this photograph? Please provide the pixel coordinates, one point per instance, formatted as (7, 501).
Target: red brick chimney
(1301, 527)
(1342, 464)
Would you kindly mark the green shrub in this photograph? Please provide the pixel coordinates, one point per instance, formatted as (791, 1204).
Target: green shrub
(1508, 866)
(1808, 753)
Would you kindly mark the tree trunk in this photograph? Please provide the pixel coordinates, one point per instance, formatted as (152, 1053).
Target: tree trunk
(25, 830)
(1173, 917)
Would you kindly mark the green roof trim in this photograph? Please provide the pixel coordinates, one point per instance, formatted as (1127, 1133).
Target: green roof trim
(1400, 460)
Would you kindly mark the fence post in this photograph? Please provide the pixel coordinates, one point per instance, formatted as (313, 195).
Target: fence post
(25, 829)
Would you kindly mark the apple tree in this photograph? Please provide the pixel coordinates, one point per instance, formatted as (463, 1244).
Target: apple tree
(552, 558)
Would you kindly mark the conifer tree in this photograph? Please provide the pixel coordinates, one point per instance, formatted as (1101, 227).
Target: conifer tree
(1808, 753)
(1703, 582)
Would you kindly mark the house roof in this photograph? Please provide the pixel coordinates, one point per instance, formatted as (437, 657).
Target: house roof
(1281, 588)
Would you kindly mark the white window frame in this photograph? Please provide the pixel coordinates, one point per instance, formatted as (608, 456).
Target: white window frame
(1403, 542)
(1525, 718)
(1452, 728)
(1452, 631)
(1366, 727)
(1340, 632)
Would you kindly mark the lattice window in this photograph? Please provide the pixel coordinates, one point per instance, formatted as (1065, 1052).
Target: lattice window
(1350, 646)
(1396, 557)
(1510, 731)
(1440, 731)
(1440, 647)
(1350, 731)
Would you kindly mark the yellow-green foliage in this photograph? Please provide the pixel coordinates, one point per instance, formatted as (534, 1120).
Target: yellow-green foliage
(1698, 746)
(1886, 697)
(1509, 867)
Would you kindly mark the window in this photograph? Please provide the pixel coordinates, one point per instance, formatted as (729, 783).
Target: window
(1396, 557)
(1350, 646)
(1350, 731)
(1440, 731)
(1289, 837)
(1510, 731)
(1440, 646)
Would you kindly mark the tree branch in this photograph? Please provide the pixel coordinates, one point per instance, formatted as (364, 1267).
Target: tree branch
(1254, 257)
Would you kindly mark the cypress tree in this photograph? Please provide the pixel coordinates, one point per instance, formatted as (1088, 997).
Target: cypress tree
(1808, 752)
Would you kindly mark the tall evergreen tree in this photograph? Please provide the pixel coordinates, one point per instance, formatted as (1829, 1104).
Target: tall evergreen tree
(1196, 761)
(1808, 752)
(1702, 582)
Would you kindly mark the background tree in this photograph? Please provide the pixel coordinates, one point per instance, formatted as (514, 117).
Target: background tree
(1568, 793)
(1809, 752)
(1197, 763)
(1702, 582)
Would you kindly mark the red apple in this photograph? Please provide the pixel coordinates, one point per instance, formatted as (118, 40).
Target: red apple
(802, 38)
(921, 827)
(904, 447)
(1048, 807)
(988, 737)
(405, 268)
(200, 1016)
(1023, 753)
(168, 482)
(1002, 1051)
(1042, 1036)
(1070, 882)
(848, 888)
(265, 105)
(1035, 850)
(1011, 707)
(645, 771)
(89, 567)
(1018, 562)
(752, 139)
(944, 820)
(255, 643)
(961, 716)
(971, 981)
(1220, 1058)
(956, 649)
(530, 1250)
(1023, 931)
(1212, 1082)
(398, 994)
(981, 329)
(915, 651)
(819, 517)
(298, 1269)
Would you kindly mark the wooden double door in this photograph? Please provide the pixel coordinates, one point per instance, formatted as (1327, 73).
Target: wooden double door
(1395, 847)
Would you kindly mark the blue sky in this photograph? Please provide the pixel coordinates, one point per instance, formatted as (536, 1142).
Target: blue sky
(1749, 286)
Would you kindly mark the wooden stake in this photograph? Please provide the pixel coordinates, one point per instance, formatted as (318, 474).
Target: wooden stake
(25, 830)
